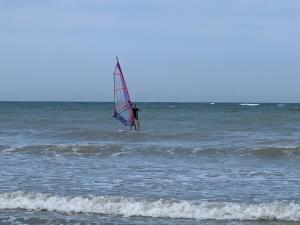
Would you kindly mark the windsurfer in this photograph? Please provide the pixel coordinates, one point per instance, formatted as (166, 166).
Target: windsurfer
(135, 111)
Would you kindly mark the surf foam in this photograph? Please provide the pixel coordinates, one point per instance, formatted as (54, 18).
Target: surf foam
(128, 207)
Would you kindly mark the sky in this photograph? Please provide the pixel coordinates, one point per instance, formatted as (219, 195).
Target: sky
(194, 50)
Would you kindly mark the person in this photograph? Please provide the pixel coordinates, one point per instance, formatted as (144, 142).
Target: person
(135, 111)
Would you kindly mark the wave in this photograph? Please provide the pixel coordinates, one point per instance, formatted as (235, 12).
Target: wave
(77, 149)
(159, 208)
(123, 135)
(249, 104)
(277, 151)
(115, 150)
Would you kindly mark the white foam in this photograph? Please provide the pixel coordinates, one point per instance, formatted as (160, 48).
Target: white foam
(151, 208)
(212, 103)
(249, 104)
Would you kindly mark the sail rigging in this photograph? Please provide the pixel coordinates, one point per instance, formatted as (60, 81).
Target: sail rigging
(122, 102)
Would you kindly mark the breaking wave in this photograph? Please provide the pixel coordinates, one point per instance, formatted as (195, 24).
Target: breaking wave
(160, 208)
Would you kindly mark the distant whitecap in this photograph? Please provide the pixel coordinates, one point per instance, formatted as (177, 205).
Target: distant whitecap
(249, 104)
(281, 105)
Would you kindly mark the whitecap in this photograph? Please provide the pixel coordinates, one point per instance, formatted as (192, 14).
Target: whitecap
(281, 105)
(249, 104)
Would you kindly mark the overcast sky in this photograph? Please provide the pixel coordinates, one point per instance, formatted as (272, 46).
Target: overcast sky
(170, 50)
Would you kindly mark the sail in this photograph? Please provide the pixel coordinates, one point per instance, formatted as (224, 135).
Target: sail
(123, 105)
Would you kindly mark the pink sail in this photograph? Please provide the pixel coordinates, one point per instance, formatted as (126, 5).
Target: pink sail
(122, 102)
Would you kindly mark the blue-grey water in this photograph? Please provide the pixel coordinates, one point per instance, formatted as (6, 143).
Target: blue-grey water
(192, 163)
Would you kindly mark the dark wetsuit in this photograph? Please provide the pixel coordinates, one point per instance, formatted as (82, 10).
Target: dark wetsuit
(135, 112)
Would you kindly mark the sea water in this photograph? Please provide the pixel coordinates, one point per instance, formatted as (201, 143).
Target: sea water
(191, 163)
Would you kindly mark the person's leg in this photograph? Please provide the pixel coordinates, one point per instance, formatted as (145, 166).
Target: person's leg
(135, 124)
(138, 124)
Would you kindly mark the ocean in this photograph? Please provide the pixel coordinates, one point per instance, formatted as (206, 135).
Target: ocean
(192, 163)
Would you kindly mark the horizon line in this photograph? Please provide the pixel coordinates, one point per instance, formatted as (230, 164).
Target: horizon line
(216, 102)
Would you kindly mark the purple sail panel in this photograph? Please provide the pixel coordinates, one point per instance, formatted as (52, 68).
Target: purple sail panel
(122, 103)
